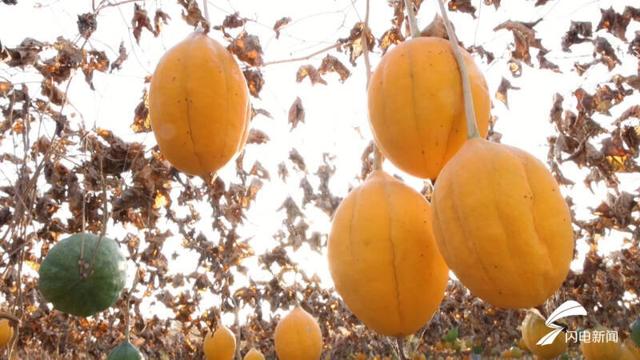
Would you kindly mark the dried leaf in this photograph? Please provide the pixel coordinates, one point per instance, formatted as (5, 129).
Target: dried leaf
(354, 44)
(614, 23)
(141, 120)
(233, 21)
(436, 28)
(309, 71)
(257, 137)
(280, 24)
(579, 32)
(296, 113)
(607, 53)
(462, 6)
(297, 159)
(122, 56)
(159, 19)
(87, 24)
(501, 93)
(524, 37)
(332, 64)
(390, 37)
(255, 82)
(140, 21)
(545, 63)
(247, 48)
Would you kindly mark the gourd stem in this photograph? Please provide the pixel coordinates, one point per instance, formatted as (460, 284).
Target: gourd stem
(205, 6)
(413, 22)
(377, 155)
(470, 114)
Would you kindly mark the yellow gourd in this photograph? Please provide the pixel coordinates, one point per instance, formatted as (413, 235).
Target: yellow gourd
(629, 351)
(298, 336)
(199, 105)
(6, 332)
(220, 345)
(533, 329)
(253, 354)
(383, 258)
(602, 349)
(502, 224)
(416, 105)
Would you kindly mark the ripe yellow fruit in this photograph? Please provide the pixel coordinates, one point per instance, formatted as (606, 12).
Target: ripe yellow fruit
(502, 224)
(416, 107)
(6, 332)
(383, 257)
(253, 354)
(199, 105)
(601, 350)
(221, 345)
(533, 329)
(629, 351)
(298, 336)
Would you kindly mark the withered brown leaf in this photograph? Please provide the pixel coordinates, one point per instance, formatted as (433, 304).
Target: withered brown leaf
(390, 37)
(311, 72)
(255, 81)
(159, 19)
(579, 32)
(282, 22)
(502, 92)
(257, 137)
(462, 6)
(87, 24)
(122, 56)
(140, 21)
(247, 48)
(141, 121)
(296, 113)
(332, 64)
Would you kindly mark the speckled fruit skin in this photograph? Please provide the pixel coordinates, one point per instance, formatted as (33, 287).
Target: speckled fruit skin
(383, 257)
(220, 345)
(502, 225)
(416, 108)
(62, 284)
(533, 329)
(199, 105)
(298, 336)
(125, 351)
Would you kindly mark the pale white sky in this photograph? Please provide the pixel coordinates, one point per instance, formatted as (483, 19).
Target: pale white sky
(336, 114)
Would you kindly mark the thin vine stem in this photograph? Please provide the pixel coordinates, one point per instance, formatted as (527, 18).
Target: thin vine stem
(377, 155)
(470, 114)
(413, 22)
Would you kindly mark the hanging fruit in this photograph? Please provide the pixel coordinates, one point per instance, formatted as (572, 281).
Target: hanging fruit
(253, 354)
(600, 350)
(416, 105)
(383, 257)
(220, 345)
(499, 218)
(81, 278)
(199, 105)
(630, 350)
(125, 351)
(6, 332)
(533, 329)
(298, 336)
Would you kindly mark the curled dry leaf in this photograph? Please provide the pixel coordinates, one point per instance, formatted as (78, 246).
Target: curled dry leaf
(140, 21)
(255, 81)
(141, 121)
(281, 24)
(502, 92)
(462, 6)
(390, 37)
(247, 48)
(87, 24)
(524, 36)
(122, 56)
(257, 137)
(296, 113)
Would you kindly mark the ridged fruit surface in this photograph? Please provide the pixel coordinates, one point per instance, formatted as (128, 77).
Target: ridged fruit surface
(298, 336)
(533, 329)
(88, 292)
(502, 224)
(416, 107)
(221, 345)
(383, 258)
(199, 105)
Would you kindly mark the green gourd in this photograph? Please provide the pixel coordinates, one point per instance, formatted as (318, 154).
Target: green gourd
(87, 292)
